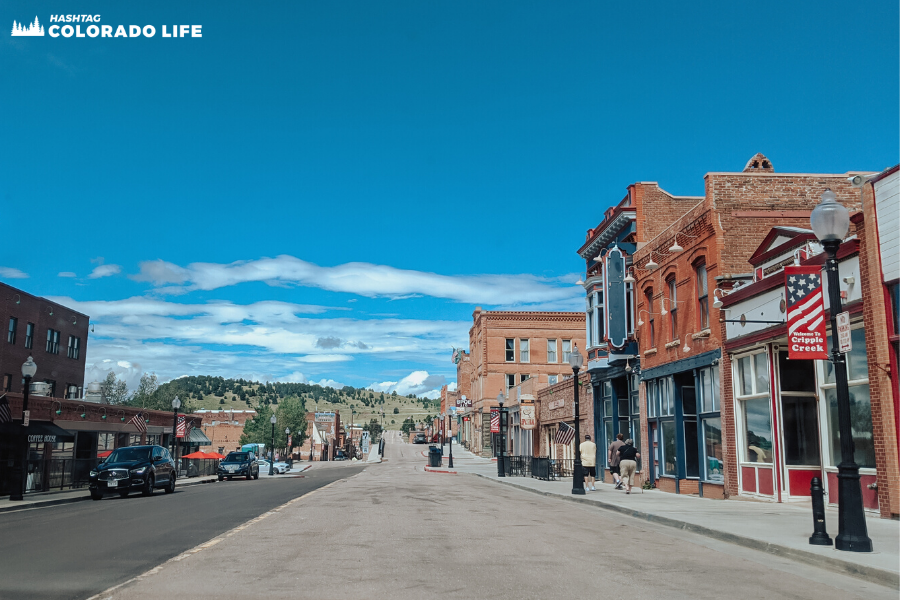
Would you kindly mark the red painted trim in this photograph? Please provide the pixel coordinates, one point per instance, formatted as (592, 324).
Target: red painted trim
(883, 174)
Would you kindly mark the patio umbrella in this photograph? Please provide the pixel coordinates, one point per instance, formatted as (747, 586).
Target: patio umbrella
(104, 454)
(213, 455)
(197, 454)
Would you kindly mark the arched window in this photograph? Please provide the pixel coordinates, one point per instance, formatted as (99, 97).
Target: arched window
(649, 293)
(673, 307)
(702, 295)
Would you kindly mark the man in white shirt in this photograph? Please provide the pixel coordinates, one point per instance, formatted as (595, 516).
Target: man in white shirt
(589, 462)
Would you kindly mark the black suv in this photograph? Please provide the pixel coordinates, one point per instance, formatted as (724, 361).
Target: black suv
(237, 464)
(143, 468)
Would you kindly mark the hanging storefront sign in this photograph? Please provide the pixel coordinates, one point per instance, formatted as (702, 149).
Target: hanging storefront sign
(527, 420)
(616, 301)
(463, 402)
(805, 313)
(495, 421)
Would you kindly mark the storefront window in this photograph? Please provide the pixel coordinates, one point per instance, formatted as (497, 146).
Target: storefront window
(666, 397)
(801, 430)
(757, 431)
(652, 399)
(860, 403)
(712, 444)
(709, 390)
(668, 446)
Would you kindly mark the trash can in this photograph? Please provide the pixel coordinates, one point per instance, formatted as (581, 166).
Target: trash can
(434, 456)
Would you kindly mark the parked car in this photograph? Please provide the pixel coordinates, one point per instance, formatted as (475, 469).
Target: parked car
(238, 464)
(134, 468)
(420, 438)
(340, 455)
(279, 468)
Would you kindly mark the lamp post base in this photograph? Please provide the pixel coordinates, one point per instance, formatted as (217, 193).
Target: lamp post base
(578, 479)
(853, 536)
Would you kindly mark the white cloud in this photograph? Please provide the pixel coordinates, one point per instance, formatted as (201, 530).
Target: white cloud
(10, 273)
(324, 358)
(417, 382)
(295, 377)
(104, 271)
(66, 274)
(366, 279)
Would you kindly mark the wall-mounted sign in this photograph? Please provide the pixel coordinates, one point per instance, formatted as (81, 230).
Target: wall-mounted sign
(324, 417)
(41, 439)
(463, 402)
(843, 326)
(805, 313)
(556, 404)
(527, 420)
(616, 304)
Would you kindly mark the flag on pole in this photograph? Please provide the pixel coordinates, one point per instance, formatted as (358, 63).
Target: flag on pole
(139, 422)
(189, 425)
(5, 413)
(495, 421)
(805, 312)
(565, 434)
(180, 427)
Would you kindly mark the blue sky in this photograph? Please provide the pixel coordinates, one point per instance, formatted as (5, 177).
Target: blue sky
(326, 190)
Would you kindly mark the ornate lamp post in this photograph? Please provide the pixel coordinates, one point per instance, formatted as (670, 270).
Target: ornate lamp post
(501, 438)
(18, 491)
(830, 221)
(287, 434)
(273, 420)
(576, 361)
(450, 436)
(176, 404)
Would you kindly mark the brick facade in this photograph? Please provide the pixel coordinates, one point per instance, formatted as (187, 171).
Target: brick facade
(556, 403)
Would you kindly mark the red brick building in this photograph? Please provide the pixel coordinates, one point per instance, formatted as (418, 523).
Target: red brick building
(505, 349)
(224, 427)
(687, 416)
(55, 335)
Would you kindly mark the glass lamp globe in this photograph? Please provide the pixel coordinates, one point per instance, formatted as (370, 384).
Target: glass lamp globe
(575, 359)
(500, 399)
(29, 368)
(829, 219)
(273, 420)
(176, 403)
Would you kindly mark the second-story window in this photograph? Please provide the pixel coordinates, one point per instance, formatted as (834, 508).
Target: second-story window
(649, 294)
(52, 341)
(13, 325)
(567, 350)
(74, 347)
(552, 379)
(510, 350)
(510, 382)
(673, 310)
(523, 351)
(551, 351)
(702, 297)
(29, 335)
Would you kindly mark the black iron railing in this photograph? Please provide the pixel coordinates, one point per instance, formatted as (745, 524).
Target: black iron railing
(519, 466)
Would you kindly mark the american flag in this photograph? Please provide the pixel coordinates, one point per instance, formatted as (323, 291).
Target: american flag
(189, 425)
(180, 427)
(139, 422)
(565, 434)
(805, 312)
(495, 421)
(5, 414)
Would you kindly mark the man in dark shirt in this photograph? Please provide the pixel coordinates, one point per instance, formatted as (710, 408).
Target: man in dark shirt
(628, 456)
(614, 460)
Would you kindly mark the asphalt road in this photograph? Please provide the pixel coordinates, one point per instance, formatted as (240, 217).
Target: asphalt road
(77, 550)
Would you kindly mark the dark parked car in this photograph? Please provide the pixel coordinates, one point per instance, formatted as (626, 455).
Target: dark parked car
(238, 464)
(340, 455)
(134, 468)
(420, 439)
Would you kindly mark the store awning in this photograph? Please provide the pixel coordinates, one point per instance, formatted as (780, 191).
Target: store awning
(196, 437)
(38, 432)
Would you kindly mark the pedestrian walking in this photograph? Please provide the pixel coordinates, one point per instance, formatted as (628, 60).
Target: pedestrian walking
(589, 461)
(628, 456)
(614, 460)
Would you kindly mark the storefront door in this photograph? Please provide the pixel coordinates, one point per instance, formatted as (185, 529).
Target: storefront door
(800, 459)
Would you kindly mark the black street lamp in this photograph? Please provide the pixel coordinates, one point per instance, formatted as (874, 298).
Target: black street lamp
(501, 438)
(176, 404)
(287, 434)
(450, 436)
(18, 491)
(273, 420)
(576, 361)
(830, 221)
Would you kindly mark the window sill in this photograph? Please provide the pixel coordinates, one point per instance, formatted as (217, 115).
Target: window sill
(650, 352)
(701, 334)
(673, 344)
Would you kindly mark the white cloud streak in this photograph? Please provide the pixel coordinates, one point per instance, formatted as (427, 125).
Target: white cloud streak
(66, 274)
(365, 279)
(104, 271)
(11, 273)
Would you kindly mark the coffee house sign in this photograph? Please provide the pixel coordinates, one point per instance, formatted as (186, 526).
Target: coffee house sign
(40, 438)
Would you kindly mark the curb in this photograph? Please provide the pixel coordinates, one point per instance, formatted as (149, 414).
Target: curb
(436, 470)
(872, 574)
(59, 501)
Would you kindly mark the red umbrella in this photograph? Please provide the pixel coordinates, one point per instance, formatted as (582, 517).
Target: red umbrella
(195, 455)
(104, 454)
(213, 455)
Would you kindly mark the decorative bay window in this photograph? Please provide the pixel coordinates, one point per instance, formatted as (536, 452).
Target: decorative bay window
(596, 319)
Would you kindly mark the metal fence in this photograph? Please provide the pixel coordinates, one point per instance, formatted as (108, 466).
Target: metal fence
(519, 466)
(550, 469)
(198, 467)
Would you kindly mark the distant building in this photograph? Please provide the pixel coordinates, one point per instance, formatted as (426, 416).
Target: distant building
(224, 427)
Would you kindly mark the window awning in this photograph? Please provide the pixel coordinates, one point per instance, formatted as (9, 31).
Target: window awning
(38, 431)
(196, 437)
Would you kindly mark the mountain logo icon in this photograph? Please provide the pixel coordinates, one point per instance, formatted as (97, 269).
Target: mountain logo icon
(34, 29)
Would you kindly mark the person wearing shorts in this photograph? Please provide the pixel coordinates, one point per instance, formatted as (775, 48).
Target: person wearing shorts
(589, 462)
(628, 456)
(614, 460)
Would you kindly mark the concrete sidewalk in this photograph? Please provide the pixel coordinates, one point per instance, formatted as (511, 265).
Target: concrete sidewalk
(780, 529)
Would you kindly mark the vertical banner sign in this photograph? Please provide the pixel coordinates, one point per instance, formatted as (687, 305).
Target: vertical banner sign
(495, 421)
(616, 304)
(290, 445)
(805, 313)
(843, 325)
(527, 419)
